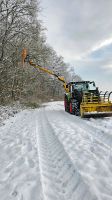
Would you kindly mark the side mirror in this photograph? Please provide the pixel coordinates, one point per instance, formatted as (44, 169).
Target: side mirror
(87, 86)
(97, 89)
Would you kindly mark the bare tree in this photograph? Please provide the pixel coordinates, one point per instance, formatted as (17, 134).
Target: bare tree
(20, 28)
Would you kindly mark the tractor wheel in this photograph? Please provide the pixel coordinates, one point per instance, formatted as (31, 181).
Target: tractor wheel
(75, 107)
(71, 108)
(66, 104)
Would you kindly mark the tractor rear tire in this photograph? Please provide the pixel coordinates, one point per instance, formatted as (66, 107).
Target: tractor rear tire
(66, 104)
(71, 108)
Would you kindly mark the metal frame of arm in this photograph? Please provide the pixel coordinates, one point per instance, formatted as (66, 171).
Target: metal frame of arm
(25, 58)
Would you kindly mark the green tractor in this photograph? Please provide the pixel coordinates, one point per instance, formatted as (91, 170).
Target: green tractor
(83, 98)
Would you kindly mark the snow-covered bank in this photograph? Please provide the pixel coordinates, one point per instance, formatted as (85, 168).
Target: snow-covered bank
(19, 167)
(9, 111)
(48, 154)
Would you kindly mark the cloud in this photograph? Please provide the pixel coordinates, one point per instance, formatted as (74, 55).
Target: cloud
(81, 31)
(102, 44)
(78, 25)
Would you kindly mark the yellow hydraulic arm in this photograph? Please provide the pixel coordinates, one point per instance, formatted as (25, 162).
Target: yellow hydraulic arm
(25, 58)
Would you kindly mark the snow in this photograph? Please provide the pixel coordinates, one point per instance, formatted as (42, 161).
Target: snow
(48, 154)
(9, 111)
(19, 167)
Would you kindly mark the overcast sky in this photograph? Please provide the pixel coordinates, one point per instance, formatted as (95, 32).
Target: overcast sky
(81, 31)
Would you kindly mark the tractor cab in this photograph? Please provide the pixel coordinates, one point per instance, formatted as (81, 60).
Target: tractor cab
(83, 87)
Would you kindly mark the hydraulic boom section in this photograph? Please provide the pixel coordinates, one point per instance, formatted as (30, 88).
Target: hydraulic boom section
(26, 58)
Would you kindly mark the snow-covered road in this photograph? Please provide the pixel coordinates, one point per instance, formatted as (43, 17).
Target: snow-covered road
(48, 154)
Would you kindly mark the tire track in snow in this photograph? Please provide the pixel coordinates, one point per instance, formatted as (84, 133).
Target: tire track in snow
(75, 159)
(60, 180)
(19, 168)
(90, 152)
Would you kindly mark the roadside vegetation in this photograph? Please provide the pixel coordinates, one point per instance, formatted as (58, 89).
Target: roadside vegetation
(20, 28)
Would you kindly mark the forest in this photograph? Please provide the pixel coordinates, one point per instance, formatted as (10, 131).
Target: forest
(20, 27)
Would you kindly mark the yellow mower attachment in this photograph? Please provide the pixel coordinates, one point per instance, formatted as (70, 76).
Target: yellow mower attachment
(96, 106)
